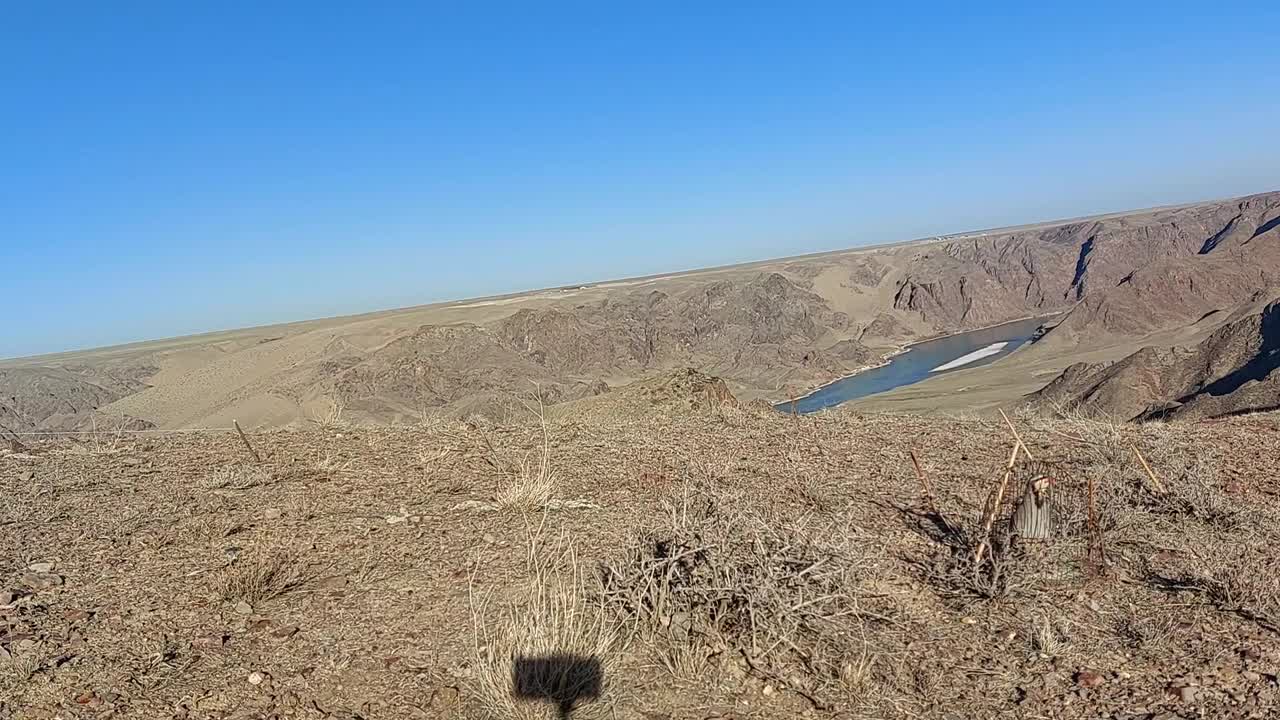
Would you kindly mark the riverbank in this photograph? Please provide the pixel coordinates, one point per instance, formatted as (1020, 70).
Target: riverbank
(888, 359)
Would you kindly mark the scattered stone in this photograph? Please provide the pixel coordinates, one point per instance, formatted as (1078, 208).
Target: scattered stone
(41, 567)
(7, 597)
(271, 513)
(244, 608)
(489, 539)
(86, 697)
(27, 476)
(1089, 679)
(256, 678)
(1183, 693)
(285, 631)
(74, 615)
(1251, 676)
(767, 690)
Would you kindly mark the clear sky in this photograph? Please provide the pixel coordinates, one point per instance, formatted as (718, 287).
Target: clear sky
(167, 170)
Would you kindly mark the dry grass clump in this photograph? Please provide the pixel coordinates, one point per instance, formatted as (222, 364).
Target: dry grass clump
(1243, 580)
(533, 484)
(721, 582)
(550, 650)
(262, 578)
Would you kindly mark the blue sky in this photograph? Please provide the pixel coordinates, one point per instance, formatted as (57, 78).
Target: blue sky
(167, 170)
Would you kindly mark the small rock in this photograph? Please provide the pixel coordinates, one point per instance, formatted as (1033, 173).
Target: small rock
(41, 567)
(489, 539)
(1251, 676)
(1089, 679)
(767, 690)
(85, 697)
(256, 678)
(336, 582)
(244, 608)
(445, 697)
(969, 621)
(131, 461)
(285, 631)
(271, 513)
(76, 615)
(7, 597)
(1186, 694)
(27, 476)
(41, 580)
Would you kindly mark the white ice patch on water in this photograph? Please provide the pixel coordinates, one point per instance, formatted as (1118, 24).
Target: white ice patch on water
(974, 356)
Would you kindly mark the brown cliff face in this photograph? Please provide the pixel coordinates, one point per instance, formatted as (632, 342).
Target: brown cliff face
(1228, 269)
(1232, 371)
(1105, 263)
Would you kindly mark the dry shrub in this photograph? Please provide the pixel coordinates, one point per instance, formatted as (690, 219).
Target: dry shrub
(534, 484)
(262, 578)
(1007, 567)
(549, 650)
(1240, 579)
(719, 582)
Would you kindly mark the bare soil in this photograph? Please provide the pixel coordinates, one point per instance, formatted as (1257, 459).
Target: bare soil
(627, 559)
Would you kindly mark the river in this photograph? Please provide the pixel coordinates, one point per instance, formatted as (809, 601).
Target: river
(923, 360)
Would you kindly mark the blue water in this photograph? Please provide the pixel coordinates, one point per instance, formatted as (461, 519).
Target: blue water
(917, 363)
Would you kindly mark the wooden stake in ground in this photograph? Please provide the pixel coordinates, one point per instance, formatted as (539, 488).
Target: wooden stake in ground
(929, 504)
(1154, 480)
(1033, 518)
(994, 512)
(1097, 551)
(245, 438)
(1016, 436)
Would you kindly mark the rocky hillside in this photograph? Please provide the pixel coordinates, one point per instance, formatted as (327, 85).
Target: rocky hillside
(771, 330)
(1174, 287)
(1232, 371)
(66, 398)
(711, 563)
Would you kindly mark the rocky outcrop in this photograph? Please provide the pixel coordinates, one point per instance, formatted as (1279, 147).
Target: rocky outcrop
(67, 398)
(993, 278)
(1233, 370)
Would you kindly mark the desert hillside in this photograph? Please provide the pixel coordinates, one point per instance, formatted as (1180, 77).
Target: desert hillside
(1232, 371)
(662, 552)
(771, 330)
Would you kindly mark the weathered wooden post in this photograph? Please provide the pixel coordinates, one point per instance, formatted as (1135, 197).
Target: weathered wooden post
(1033, 518)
